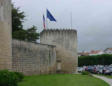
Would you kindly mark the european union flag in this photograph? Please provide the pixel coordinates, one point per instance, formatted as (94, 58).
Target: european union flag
(50, 16)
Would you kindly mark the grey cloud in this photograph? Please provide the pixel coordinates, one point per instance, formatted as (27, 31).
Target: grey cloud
(91, 18)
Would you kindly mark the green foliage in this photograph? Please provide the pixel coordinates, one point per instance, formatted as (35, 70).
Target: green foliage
(10, 78)
(20, 76)
(20, 35)
(29, 35)
(32, 35)
(104, 59)
(18, 32)
(17, 19)
(85, 73)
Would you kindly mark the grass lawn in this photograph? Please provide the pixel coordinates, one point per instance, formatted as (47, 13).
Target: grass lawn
(62, 80)
(108, 76)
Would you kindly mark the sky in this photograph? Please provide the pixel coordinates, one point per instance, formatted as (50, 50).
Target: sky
(91, 18)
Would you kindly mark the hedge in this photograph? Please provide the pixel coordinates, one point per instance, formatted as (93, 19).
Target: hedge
(8, 78)
(104, 59)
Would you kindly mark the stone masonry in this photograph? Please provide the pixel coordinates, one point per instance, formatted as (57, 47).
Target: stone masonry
(66, 47)
(31, 58)
(5, 35)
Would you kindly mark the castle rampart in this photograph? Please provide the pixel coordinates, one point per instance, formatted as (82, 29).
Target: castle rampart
(31, 58)
(66, 47)
(56, 52)
(5, 35)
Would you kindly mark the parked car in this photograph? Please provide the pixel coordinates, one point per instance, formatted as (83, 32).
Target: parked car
(80, 69)
(97, 69)
(90, 69)
(108, 71)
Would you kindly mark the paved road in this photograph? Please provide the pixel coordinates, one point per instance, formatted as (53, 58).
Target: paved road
(108, 80)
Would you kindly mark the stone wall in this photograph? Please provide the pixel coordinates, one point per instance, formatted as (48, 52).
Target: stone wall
(66, 47)
(31, 58)
(5, 35)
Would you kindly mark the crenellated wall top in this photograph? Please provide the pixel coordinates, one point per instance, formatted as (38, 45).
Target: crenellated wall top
(58, 30)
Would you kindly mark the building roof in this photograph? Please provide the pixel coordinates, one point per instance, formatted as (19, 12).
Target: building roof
(110, 49)
(95, 52)
(90, 53)
(83, 53)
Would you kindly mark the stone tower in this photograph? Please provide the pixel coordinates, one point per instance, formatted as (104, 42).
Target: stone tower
(66, 48)
(5, 35)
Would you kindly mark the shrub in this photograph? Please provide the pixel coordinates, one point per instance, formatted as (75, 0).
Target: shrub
(8, 78)
(104, 59)
(20, 76)
(85, 73)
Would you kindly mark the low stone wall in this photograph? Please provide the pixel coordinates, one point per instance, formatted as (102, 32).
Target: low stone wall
(31, 58)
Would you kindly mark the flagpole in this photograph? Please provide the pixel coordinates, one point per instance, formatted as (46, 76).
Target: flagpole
(46, 23)
(71, 19)
(46, 20)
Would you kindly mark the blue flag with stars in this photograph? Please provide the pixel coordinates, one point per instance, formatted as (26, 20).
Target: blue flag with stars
(50, 16)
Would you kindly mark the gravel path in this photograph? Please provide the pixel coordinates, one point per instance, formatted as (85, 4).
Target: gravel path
(108, 80)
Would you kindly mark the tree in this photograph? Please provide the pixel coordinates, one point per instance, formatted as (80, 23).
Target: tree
(17, 19)
(32, 35)
(18, 32)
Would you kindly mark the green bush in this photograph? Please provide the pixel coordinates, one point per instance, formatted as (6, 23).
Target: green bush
(85, 73)
(8, 78)
(104, 59)
(20, 76)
